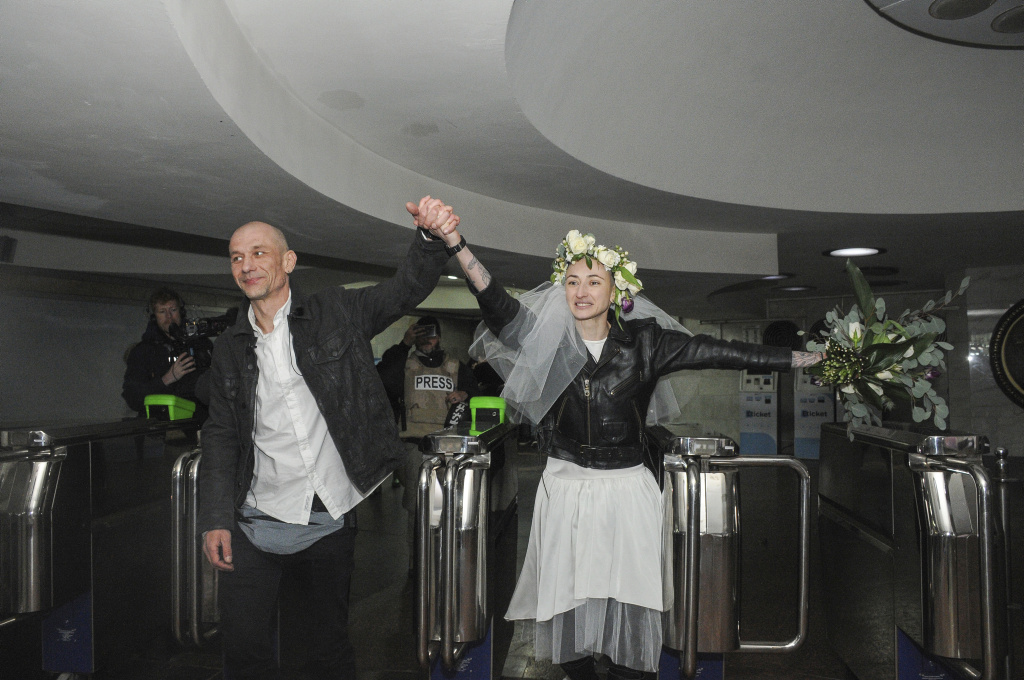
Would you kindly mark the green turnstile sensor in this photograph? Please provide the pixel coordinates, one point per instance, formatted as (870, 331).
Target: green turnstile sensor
(168, 407)
(486, 413)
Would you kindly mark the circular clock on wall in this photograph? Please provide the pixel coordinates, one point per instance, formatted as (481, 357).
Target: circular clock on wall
(1007, 353)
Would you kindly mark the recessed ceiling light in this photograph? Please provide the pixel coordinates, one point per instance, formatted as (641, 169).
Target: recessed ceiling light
(853, 252)
(453, 278)
(795, 289)
(776, 277)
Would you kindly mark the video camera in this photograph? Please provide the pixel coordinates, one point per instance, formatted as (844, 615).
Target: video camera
(190, 336)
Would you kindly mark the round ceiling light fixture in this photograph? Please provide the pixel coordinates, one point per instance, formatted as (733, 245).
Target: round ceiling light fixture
(776, 277)
(995, 24)
(795, 289)
(854, 252)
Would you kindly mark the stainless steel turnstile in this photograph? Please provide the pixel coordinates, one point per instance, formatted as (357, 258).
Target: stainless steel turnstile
(83, 534)
(914, 554)
(701, 482)
(466, 545)
(194, 614)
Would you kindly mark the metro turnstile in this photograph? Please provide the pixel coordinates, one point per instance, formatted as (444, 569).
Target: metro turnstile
(914, 554)
(701, 482)
(466, 549)
(194, 615)
(83, 536)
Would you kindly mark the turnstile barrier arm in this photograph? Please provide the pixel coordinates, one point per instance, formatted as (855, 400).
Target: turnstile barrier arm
(805, 545)
(990, 623)
(691, 569)
(450, 651)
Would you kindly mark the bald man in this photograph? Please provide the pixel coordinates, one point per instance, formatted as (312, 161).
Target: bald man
(300, 431)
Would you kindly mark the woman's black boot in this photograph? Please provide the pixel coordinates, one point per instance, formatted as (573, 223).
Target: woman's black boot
(580, 669)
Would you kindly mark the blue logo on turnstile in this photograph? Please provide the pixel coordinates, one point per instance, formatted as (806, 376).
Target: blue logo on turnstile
(913, 663)
(67, 637)
(709, 666)
(476, 661)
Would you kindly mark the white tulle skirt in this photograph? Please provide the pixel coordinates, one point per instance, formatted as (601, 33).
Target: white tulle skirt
(594, 578)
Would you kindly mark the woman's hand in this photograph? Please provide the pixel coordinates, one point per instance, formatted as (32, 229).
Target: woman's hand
(437, 218)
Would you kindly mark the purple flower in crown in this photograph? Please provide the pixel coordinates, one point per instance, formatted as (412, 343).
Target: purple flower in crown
(627, 305)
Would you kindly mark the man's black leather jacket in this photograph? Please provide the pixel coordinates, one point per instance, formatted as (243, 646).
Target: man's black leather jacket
(598, 421)
(331, 332)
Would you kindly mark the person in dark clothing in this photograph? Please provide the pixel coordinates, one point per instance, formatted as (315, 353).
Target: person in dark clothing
(422, 385)
(299, 434)
(154, 366)
(582, 356)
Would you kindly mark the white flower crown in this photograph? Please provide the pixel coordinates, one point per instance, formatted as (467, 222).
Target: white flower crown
(576, 246)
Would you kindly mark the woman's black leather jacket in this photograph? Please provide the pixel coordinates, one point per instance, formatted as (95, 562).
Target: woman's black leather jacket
(598, 421)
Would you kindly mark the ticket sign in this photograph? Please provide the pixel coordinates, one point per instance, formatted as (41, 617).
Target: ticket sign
(810, 410)
(759, 423)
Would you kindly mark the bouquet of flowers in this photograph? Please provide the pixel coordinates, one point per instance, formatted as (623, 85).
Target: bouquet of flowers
(875, 360)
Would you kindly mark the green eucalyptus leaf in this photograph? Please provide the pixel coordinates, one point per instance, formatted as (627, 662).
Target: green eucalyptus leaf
(940, 422)
(944, 345)
(865, 299)
(963, 285)
(948, 298)
(859, 410)
(879, 308)
(883, 355)
(928, 306)
(941, 410)
(919, 414)
(920, 388)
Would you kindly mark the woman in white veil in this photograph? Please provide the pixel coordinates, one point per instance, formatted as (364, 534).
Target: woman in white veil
(582, 357)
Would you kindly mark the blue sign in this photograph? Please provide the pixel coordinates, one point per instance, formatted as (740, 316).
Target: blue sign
(67, 637)
(709, 666)
(476, 662)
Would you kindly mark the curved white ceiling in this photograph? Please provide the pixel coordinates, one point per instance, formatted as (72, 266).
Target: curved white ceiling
(333, 91)
(803, 105)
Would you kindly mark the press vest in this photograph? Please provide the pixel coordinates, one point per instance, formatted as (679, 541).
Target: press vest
(426, 390)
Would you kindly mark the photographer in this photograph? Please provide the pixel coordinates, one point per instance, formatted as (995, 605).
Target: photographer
(164, 362)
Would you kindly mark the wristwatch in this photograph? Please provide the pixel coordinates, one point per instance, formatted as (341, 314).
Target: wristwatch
(451, 250)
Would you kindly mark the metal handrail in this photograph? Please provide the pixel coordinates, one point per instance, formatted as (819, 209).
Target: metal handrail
(450, 651)
(177, 547)
(805, 546)
(194, 567)
(691, 569)
(425, 652)
(989, 608)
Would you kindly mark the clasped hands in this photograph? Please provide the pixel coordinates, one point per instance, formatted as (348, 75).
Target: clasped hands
(436, 217)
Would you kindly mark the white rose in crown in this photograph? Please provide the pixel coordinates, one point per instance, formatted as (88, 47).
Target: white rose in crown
(609, 258)
(620, 282)
(576, 242)
(633, 290)
(591, 241)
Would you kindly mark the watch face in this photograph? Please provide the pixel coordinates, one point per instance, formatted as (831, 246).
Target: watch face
(1007, 353)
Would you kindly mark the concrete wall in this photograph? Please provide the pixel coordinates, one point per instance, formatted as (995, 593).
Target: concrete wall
(982, 406)
(63, 344)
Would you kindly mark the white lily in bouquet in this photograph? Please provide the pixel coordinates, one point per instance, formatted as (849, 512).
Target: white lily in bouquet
(874, 360)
